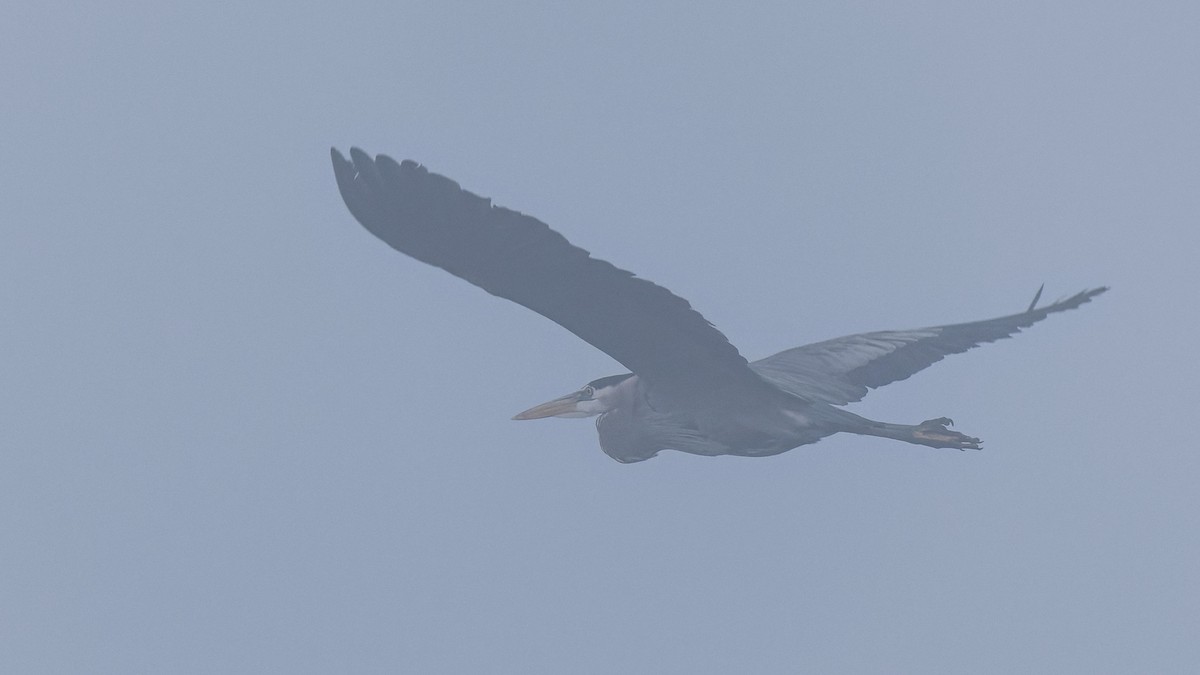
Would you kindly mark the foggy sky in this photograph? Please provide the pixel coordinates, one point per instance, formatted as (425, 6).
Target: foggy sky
(241, 435)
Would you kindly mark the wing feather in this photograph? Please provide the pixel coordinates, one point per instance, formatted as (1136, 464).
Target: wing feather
(653, 332)
(843, 370)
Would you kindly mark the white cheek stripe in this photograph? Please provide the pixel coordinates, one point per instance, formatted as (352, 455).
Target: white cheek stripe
(589, 408)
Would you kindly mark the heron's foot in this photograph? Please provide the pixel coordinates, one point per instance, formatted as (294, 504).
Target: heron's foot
(936, 434)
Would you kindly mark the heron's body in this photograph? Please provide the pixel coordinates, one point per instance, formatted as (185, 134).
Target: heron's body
(689, 389)
(631, 428)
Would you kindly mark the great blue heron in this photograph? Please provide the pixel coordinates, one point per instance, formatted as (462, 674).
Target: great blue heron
(689, 389)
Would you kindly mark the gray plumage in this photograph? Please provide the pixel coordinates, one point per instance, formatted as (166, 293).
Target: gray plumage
(690, 389)
(842, 370)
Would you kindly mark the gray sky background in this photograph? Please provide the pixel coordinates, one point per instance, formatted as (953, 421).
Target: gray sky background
(239, 434)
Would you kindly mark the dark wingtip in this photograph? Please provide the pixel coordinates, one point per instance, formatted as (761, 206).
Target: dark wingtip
(340, 164)
(365, 166)
(1036, 296)
(1086, 296)
(342, 169)
(1074, 301)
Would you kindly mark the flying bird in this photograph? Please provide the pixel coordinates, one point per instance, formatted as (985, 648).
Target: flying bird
(688, 388)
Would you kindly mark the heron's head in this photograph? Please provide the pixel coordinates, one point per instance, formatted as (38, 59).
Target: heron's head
(596, 397)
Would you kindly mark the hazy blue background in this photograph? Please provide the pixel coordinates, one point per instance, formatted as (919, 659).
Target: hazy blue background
(240, 435)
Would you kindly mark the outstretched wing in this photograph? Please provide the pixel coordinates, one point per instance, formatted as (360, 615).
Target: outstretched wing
(653, 332)
(842, 370)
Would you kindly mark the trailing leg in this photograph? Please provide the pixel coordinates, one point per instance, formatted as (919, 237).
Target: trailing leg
(934, 433)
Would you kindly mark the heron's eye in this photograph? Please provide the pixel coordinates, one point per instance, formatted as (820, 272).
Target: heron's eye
(588, 391)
